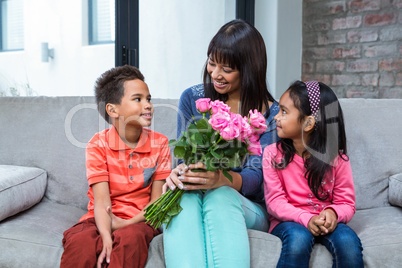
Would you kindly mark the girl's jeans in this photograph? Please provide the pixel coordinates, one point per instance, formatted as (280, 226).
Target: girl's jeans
(211, 230)
(298, 242)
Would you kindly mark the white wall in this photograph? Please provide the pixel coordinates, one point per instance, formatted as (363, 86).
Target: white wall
(174, 37)
(280, 24)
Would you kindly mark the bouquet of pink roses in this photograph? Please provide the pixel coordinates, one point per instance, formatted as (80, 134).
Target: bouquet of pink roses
(220, 142)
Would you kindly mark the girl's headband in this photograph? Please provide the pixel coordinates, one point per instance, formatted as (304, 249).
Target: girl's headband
(313, 89)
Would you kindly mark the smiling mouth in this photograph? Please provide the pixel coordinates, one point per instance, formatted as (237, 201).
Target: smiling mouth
(219, 83)
(146, 115)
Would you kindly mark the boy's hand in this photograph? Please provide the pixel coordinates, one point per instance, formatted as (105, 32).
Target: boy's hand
(330, 220)
(106, 251)
(117, 222)
(315, 224)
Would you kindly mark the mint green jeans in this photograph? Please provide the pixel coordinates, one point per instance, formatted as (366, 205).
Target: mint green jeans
(211, 230)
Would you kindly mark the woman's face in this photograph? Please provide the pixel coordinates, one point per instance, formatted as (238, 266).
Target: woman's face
(225, 79)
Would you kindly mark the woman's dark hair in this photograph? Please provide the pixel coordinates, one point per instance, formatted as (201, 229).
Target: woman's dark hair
(109, 87)
(241, 46)
(326, 141)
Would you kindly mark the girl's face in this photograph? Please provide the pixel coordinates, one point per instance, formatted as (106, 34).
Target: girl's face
(287, 120)
(225, 79)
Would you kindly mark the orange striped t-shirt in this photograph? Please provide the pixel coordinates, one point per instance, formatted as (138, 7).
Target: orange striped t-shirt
(130, 172)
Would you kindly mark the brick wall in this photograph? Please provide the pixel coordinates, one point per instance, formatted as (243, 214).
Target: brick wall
(354, 46)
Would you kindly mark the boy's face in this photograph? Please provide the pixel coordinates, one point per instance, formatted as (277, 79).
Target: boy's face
(135, 107)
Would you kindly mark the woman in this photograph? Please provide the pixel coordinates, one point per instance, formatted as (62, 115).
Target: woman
(211, 230)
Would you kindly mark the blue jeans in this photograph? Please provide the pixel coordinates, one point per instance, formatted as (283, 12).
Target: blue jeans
(298, 242)
(211, 230)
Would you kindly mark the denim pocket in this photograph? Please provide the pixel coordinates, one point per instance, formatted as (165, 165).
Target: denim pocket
(148, 172)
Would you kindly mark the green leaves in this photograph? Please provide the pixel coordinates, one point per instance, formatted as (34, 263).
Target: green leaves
(203, 124)
(227, 175)
(174, 210)
(179, 151)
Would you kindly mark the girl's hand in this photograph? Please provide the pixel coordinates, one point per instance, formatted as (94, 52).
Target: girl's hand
(330, 220)
(315, 224)
(196, 180)
(117, 222)
(172, 181)
(106, 251)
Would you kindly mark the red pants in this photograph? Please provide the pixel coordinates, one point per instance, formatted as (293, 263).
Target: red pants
(82, 245)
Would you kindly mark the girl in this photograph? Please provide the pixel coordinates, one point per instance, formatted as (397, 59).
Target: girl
(211, 230)
(308, 181)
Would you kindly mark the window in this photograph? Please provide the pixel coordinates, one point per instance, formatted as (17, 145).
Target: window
(12, 25)
(101, 21)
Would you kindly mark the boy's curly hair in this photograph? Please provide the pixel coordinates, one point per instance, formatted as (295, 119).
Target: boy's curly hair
(109, 87)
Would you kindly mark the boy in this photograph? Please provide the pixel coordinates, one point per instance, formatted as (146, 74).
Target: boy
(126, 168)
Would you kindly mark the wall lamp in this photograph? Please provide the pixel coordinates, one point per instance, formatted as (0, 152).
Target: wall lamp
(46, 52)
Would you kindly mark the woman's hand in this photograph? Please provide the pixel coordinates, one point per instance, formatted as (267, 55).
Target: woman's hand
(201, 180)
(172, 181)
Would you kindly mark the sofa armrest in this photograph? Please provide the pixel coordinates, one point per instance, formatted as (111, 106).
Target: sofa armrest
(20, 188)
(395, 190)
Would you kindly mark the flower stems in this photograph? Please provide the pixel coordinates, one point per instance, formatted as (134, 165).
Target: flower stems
(164, 208)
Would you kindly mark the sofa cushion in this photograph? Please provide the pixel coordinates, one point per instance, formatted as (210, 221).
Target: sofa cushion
(38, 233)
(395, 190)
(373, 143)
(20, 188)
(379, 230)
(265, 250)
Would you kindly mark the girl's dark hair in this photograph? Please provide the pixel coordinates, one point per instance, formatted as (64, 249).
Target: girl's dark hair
(241, 46)
(326, 141)
(109, 87)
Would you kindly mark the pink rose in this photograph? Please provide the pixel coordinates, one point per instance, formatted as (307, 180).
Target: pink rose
(255, 148)
(246, 130)
(257, 121)
(202, 105)
(217, 106)
(254, 138)
(233, 128)
(230, 132)
(220, 120)
(236, 119)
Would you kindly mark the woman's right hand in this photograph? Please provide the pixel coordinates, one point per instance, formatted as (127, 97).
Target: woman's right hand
(173, 180)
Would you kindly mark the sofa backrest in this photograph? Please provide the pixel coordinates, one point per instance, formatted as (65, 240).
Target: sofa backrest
(373, 131)
(51, 133)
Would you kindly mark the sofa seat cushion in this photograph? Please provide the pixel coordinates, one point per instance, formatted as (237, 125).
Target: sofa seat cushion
(20, 188)
(395, 190)
(380, 231)
(38, 233)
(265, 250)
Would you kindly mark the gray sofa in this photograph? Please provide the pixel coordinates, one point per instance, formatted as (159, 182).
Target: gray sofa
(43, 185)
